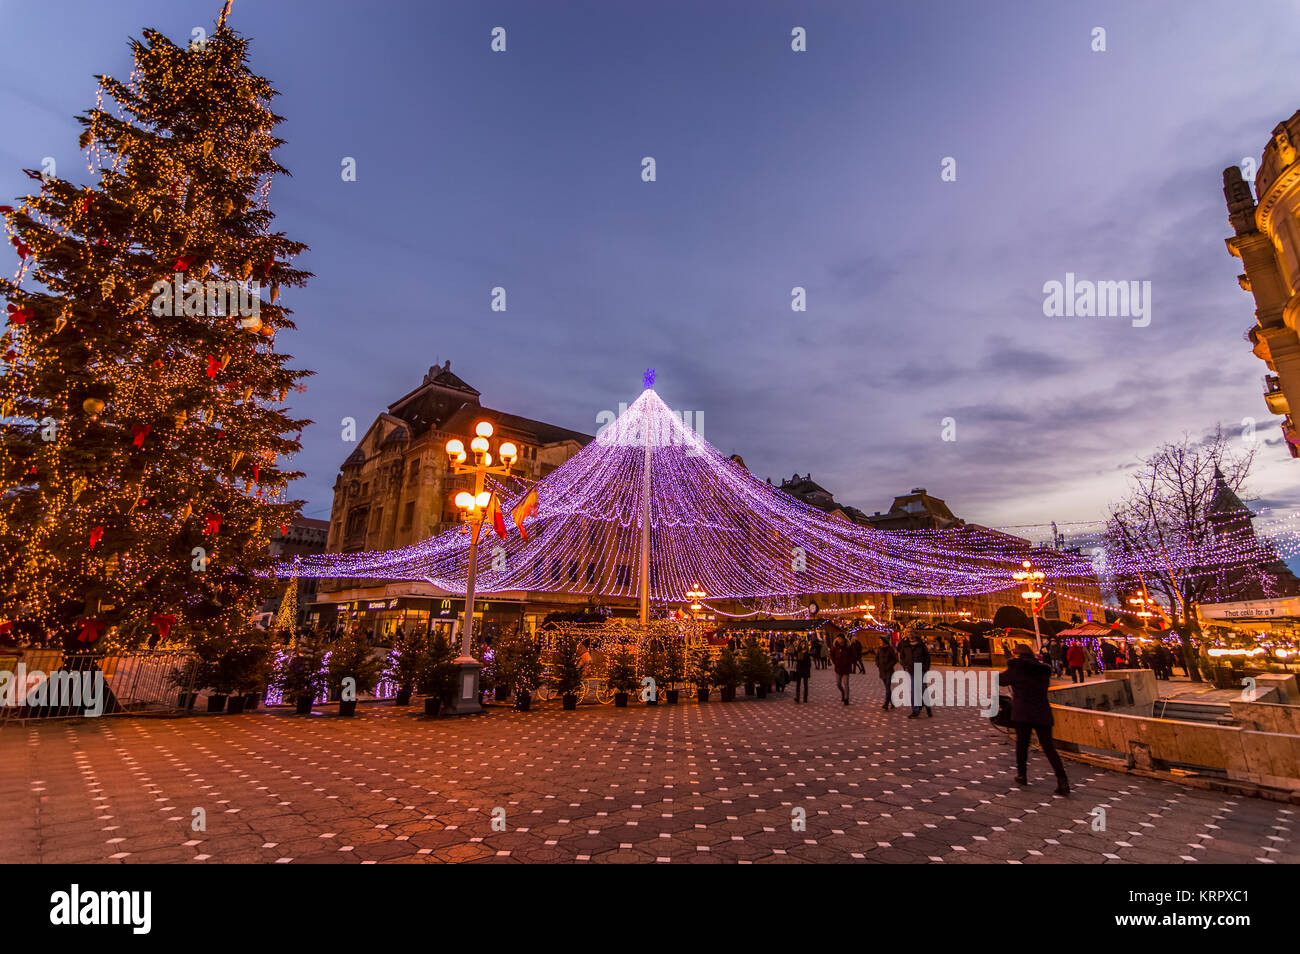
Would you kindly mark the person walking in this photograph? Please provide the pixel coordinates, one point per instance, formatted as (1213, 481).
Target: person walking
(915, 657)
(886, 660)
(855, 654)
(1074, 659)
(1057, 651)
(803, 663)
(1031, 713)
(842, 660)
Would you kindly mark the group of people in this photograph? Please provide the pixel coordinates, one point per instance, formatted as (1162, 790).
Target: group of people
(1026, 676)
(1079, 661)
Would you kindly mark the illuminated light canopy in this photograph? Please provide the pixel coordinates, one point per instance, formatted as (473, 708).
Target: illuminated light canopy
(717, 528)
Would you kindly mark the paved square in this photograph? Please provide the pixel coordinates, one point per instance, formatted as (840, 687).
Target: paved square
(686, 783)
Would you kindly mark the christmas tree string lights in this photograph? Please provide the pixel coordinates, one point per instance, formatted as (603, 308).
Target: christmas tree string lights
(138, 473)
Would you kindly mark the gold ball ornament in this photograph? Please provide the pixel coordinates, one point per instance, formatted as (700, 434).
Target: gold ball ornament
(92, 406)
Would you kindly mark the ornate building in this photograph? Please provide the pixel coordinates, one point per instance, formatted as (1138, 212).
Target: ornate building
(396, 489)
(1266, 238)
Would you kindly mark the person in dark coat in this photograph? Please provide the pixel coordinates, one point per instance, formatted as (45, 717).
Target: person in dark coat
(913, 654)
(1031, 713)
(886, 660)
(855, 654)
(842, 660)
(1109, 655)
(803, 663)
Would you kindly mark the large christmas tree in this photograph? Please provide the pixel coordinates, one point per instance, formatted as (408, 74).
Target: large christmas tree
(142, 396)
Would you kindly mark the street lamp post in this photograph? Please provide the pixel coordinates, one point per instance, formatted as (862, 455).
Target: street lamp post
(473, 509)
(1032, 579)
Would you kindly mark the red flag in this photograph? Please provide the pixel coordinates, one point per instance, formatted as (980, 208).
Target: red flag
(525, 509)
(164, 622)
(494, 515)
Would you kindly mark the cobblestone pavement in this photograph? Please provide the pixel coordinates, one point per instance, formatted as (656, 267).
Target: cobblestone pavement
(685, 783)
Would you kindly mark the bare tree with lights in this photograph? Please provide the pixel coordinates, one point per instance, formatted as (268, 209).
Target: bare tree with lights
(143, 399)
(1168, 525)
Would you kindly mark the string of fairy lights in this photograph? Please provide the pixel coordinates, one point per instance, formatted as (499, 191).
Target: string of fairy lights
(716, 527)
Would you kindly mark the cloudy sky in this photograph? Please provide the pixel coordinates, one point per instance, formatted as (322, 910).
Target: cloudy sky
(775, 169)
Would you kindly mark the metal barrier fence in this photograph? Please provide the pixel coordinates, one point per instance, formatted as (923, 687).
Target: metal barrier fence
(48, 684)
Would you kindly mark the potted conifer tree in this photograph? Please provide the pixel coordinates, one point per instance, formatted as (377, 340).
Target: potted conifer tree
(404, 662)
(566, 671)
(727, 675)
(352, 670)
(702, 675)
(654, 665)
(437, 677)
(622, 675)
(756, 666)
(674, 668)
(528, 671)
(299, 673)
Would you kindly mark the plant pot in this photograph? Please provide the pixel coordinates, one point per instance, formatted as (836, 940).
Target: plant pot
(620, 700)
(216, 703)
(348, 709)
(250, 701)
(501, 693)
(749, 689)
(523, 699)
(762, 692)
(234, 705)
(728, 693)
(701, 695)
(670, 696)
(304, 705)
(569, 701)
(403, 697)
(432, 705)
(186, 700)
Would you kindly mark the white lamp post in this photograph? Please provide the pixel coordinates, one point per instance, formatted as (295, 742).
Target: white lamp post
(473, 508)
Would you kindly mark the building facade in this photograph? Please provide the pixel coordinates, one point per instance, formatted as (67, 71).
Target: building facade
(397, 489)
(1266, 237)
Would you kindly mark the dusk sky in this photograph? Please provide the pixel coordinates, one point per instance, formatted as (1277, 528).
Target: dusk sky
(775, 169)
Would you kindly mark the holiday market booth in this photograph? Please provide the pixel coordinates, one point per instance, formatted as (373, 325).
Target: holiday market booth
(1251, 636)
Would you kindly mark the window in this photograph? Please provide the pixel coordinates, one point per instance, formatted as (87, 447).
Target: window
(379, 518)
(591, 572)
(624, 576)
(408, 515)
(357, 520)
(365, 489)
(555, 571)
(573, 572)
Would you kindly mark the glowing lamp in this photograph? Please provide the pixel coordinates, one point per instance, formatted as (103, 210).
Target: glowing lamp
(508, 452)
(483, 499)
(455, 449)
(465, 501)
(479, 445)
(483, 429)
